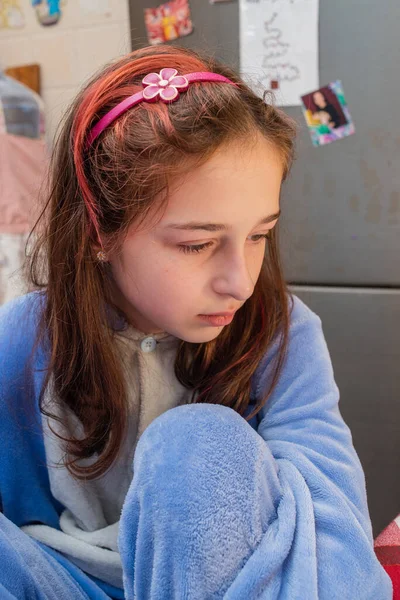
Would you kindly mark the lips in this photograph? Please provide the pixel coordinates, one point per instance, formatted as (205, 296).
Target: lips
(217, 321)
(220, 314)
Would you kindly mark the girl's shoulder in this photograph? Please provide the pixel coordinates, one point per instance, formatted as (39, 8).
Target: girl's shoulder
(19, 320)
(300, 313)
(305, 339)
(26, 308)
(305, 327)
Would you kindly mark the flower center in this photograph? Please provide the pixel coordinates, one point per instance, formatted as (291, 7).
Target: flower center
(163, 83)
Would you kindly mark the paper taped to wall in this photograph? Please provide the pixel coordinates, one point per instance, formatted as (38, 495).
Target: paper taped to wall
(279, 47)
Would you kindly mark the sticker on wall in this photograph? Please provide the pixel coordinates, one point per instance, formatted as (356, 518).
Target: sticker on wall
(327, 115)
(168, 21)
(48, 12)
(279, 47)
(11, 14)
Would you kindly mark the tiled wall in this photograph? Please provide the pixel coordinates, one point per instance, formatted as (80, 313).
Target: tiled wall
(68, 52)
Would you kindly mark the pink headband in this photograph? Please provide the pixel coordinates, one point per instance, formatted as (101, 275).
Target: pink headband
(165, 86)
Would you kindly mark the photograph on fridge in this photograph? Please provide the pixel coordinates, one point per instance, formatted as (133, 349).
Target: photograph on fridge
(168, 21)
(327, 114)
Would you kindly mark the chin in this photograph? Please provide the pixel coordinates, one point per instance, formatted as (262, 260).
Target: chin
(203, 336)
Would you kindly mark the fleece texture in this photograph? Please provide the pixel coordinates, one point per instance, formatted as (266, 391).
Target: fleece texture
(275, 509)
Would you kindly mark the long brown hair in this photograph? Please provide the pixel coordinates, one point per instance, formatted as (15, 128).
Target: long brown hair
(131, 163)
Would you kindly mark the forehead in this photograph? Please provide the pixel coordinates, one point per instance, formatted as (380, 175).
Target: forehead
(237, 182)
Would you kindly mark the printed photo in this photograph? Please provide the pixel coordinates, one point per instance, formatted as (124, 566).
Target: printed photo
(168, 21)
(327, 115)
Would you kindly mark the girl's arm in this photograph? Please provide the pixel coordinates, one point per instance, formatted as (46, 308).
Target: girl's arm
(315, 458)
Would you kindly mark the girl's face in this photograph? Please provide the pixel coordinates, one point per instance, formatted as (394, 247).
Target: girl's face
(162, 283)
(319, 99)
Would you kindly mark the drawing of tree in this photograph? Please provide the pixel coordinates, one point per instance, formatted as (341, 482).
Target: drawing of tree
(275, 48)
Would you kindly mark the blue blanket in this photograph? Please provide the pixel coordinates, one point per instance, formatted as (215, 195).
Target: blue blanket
(306, 505)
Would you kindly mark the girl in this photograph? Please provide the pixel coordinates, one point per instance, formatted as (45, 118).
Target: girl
(169, 418)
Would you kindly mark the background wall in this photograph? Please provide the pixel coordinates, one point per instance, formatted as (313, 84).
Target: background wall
(68, 52)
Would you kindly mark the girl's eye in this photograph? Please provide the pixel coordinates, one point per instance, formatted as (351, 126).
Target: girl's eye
(200, 247)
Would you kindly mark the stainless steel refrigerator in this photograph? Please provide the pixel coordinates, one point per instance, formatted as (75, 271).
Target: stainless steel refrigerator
(340, 229)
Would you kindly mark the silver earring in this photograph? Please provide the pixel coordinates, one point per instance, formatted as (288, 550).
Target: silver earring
(101, 256)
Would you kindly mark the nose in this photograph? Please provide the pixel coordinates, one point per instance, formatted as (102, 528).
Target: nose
(234, 278)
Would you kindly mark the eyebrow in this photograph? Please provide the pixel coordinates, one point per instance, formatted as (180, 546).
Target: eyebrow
(192, 225)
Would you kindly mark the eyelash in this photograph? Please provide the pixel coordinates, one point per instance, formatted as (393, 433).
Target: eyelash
(201, 247)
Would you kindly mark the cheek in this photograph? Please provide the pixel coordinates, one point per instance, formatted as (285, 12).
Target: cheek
(177, 283)
(156, 282)
(256, 260)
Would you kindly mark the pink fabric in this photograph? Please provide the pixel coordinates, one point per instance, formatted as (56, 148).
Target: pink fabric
(23, 166)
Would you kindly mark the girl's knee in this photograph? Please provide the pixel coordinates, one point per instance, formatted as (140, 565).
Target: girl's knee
(202, 459)
(195, 425)
(196, 441)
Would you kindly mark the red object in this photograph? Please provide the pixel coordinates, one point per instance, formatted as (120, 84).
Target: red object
(387, 549)
(394, 573)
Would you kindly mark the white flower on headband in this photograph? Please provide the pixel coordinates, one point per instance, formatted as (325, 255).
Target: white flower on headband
(166, 85)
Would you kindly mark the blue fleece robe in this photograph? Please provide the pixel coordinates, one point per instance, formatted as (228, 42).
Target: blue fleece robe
(303, 496)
